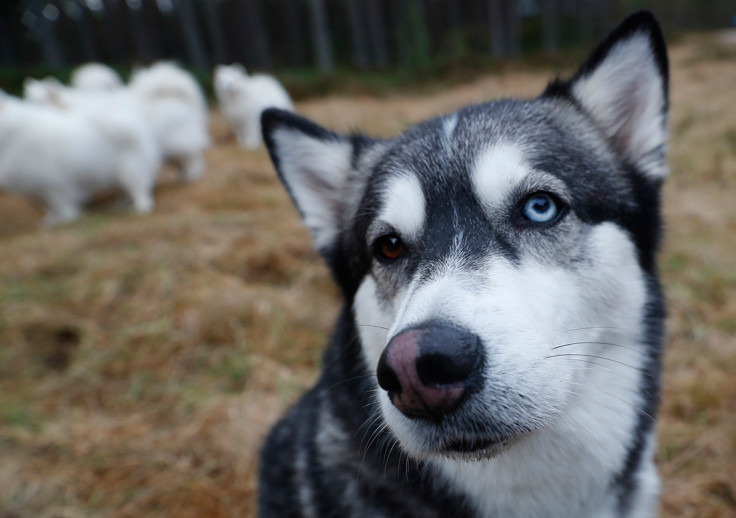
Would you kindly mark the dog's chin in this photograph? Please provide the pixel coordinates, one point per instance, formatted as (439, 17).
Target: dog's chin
(460, 438)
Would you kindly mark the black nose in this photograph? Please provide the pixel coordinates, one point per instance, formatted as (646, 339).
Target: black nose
(428, 370)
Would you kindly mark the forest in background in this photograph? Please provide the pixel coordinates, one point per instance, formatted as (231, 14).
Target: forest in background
(314, 37)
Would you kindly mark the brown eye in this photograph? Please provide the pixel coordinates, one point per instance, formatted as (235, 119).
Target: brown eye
(389, 247)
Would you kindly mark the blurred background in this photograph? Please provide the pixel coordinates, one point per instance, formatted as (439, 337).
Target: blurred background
(308, 37)
(143, 357)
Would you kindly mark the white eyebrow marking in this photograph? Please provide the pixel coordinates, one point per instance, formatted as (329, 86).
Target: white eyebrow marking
(497, 171)
(404, 205)
(448, 125)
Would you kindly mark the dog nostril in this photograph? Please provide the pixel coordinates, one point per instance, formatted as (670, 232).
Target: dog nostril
(439, 369)
(387, 378)
(447, 356)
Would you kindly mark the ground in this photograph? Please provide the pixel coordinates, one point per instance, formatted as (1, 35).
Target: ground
(143, 358)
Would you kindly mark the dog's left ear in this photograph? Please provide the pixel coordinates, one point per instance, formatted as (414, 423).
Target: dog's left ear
(624, 86)
(317, 168)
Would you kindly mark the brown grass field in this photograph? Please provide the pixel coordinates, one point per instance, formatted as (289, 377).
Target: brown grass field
(143, 358)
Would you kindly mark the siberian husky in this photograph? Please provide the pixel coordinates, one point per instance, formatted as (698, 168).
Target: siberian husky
(498, 353)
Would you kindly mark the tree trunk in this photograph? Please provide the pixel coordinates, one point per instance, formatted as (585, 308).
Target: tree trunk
(255, 32)
(498, 32)
(435, 19)
(455, 21)
(321, 40)
(505, 28)
(416, 27)
(293, 25)
(114, 35)
(585, 22)
(513, 27)
(141, 42)
(401, 39)
(10, 30)
(216, 32)
(190, 32)
(51, 50)
(376, 32)
(549, 25)
(357, 33)
(8, 53)
(151, 16)
(90, 49)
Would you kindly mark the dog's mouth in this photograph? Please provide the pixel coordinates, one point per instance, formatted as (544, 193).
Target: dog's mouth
(470, 445)
(476, 447)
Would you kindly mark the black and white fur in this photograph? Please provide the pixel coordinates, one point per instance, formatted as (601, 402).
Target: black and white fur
(486, 363)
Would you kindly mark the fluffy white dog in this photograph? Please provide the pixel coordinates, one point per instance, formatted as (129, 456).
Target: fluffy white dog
(167, 98)
(176, 110)
(95, 77)
(243, 97)
(63, 156)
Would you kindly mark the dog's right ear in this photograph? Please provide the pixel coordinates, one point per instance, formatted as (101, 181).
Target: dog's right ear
(316, 166)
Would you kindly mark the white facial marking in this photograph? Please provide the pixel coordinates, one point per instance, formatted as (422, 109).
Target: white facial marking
(497, 171)
(404, 205)
(372, 322)
(448, 126)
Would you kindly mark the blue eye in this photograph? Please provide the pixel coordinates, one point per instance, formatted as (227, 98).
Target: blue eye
(541, 208)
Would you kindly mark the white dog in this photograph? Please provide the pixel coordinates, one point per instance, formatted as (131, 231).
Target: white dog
(95, 77)
(167, 98)
(63, 156)
(175, 108)
(242, 98)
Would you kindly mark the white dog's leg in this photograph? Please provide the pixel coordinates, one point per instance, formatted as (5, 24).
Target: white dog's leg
(61, 209)
(252, 134)
(142, 200)
(193, 167)
(140, 191)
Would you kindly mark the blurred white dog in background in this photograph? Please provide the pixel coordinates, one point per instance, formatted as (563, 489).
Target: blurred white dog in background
(95, 77)
(64, 156)
(242, 99)
(176, 109)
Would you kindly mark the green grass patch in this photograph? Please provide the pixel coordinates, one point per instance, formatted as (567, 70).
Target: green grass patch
(18, 414)
(232, 372)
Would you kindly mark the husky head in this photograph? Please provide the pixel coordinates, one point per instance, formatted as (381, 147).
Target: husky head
(498, 260)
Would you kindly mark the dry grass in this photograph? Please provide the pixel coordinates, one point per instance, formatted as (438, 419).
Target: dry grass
(142, 359)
